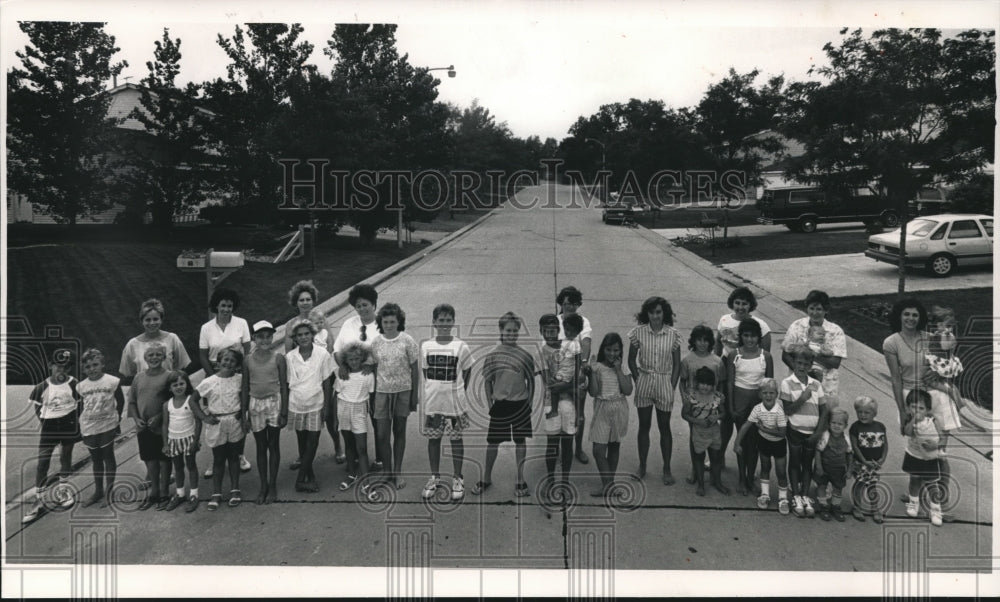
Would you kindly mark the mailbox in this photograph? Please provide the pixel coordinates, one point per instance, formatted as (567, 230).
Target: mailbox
(221, 260)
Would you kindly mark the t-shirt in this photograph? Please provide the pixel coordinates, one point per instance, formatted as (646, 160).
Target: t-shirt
(871, 438)
(608, 378)
(923, 431)
(703, 406)
(394, 357)
(829, 335)
(586, 333)
(729, 332)
(511, 370)
(833, 450)
(911, 361)
(350, 332)
(222, 395)
(215, 339)
(692, 362)
(57, 400)
(566, 360)
(100, 409)
(773, 419)
(355, 389)
(149, 392)
(655, 349)
(444, 385)
(305, 379)
(133, 356)
(807, 418)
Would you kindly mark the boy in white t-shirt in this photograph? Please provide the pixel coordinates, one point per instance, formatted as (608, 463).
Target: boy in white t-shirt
(446, 363)
(802, 398)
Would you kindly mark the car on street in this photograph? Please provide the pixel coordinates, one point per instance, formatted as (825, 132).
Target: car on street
(938, 243)
(802, 208)
(618, 209)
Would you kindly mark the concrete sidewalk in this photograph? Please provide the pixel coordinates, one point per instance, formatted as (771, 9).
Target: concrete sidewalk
(518, 260)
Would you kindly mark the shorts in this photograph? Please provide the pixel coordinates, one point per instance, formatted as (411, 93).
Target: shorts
(509, 421)
(55, 431)
(706, 437)
(865, 475)
(653, 389)
(229, 430)
(835, 475)
(436, 426)
(797, 439)
(774, 449)
(264, 412)
(180, 447)
(928, 470)
(353, 416)
(306, 421)
(100, 440)
(565, 422)
(150, 446)
(398, 404)
(610, 421)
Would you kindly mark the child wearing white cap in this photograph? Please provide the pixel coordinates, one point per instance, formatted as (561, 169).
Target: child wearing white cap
(264, 400)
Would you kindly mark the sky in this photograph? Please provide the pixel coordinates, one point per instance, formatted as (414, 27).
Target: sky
(537, 67)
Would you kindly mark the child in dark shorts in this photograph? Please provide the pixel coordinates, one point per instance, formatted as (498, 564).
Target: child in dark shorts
(508, 380)
(56, 406)
(102, 404)
(833, 464)
(870, 446)
(145, 407)
(922, 459)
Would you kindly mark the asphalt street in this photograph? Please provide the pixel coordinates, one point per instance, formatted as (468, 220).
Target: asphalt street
(517, 260)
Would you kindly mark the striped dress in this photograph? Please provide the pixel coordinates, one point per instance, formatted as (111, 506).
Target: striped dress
(655, 362)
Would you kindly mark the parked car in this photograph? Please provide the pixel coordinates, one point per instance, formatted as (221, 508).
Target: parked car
(620, 209)
(800, 209)
(938, 243)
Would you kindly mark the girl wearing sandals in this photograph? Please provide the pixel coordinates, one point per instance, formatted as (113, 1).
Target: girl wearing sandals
(225, 431)
(182, 424)
(353, 396)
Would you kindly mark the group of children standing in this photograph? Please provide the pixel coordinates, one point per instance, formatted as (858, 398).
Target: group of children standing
(305, 386)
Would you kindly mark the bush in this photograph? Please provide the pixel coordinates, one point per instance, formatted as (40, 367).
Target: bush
(974, 195)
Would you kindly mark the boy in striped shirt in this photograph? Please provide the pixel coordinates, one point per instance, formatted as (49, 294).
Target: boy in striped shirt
(802, 398)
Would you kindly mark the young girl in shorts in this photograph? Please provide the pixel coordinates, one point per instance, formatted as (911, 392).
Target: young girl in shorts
(182, 422)
(922, 460)
(353, 396)
(701, 409)
(608, 385)
(745, 369)
(103, 402)
(225, 430)
(700, 355)
(264, 397)
(310, 398)
(770, 421)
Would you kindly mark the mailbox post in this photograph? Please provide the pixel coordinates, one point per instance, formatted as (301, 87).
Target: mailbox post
(216, 265)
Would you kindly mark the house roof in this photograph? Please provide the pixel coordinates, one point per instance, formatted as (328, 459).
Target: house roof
(128, 96)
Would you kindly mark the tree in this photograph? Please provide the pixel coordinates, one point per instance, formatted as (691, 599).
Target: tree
(58, 130)
(900, 110)
(168, 165)
(403, 126)
(251, 102)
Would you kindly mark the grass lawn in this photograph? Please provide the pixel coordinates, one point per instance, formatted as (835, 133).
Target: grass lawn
(864, 318)
(91, 280)
(782, 244)
(690, 216)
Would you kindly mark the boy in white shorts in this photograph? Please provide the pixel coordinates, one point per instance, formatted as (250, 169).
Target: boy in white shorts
(561, 427)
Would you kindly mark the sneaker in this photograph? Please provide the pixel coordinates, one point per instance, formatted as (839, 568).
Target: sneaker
(838, 515)
(912, 509)
(763, 501)
(799, 508)
(244, 464)
(209, 472)
(431, 487)
(783, 506)
(192, 504)
(935, 514)
(824, 511)
(457, 489)
(807, 502)
(33, 514)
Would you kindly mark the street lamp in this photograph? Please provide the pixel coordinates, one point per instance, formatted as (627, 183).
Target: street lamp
(450, 69)
(602, 149)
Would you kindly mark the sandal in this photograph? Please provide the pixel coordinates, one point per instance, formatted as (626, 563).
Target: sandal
(348, 482)
(480, 487)
(235, 498)
(521, 490)
(213, 504)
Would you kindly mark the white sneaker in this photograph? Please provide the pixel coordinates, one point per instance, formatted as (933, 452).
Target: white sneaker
(431, 487)
(912, 509)
(935, 513)
(244, 464)
(807, 502)
(798, 508)
(457, 489)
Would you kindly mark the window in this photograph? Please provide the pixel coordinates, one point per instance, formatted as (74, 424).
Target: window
(806, 197)
(988, 226)
(966, 228)
(922, 227)
(940, 232)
